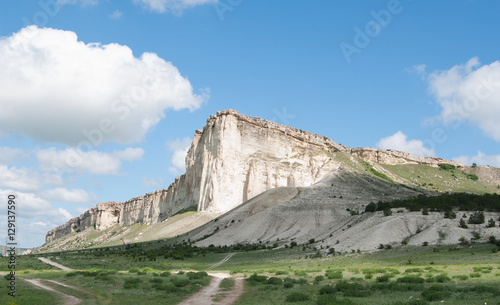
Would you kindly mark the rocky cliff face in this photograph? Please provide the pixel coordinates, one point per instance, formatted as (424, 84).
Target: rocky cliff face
(395, 157)
(234, 158)
(101, 217)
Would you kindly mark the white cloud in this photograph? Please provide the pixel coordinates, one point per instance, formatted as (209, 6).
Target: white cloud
(469, 92)
(62, 194)
(173, 6)
(152, 182)
(116, 14)
(20, 179)
(399, 141)
(55, 88)
(180, 149)
(480, 159)
(72, 160)
(10, 155)
(35, 217)
(418, 69)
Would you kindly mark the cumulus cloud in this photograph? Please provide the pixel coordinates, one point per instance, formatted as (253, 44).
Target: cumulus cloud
(469, 92)
(173, 6)
(418, 69)
(180, 149)
(10, 155)
(62, 194)
(72, 160)
(117, 14)
(55, 88)
(35, 216)
(20, 179)
(480, 159)
(399, 141)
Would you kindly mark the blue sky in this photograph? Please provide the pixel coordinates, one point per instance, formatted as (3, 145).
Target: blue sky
(128, 82)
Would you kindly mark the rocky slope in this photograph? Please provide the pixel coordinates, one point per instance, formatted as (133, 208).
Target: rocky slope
(235, 158)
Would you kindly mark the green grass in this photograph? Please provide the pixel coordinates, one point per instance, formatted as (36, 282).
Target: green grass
(462, 275)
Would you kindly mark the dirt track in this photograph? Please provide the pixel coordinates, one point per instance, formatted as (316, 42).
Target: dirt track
(205, 295)
(48, 261)
(67, 299)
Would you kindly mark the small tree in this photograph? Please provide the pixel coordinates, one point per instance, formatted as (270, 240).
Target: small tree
(387, 211)
(425, 211)
(371, 207)
(476, 218)
(474, 165)
(491, 223)
(462, 224)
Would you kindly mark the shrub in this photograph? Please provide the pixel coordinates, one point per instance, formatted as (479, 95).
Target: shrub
(288, 285)
(384, 278)
(462, 277)
(196, 275)
(476, 218)
(334, 274)
(132, 283)
(180, 282)
(134, 270)
(274, 281)
(257, 278)
(462, 224)
(442, 278)
(318, 279)
(165, 274)
(411, 279)
(297, 297)
(371, 207)
(387, 211)
(300, 273)
(491, 223)
(475, 275)
(327, 290)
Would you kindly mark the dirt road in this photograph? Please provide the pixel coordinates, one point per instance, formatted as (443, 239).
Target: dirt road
(48, 261)
(67, 299)
(204, 297)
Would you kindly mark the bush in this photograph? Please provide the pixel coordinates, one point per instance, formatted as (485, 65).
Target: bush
(300, 273)
(411, 279)
(334, 274)
(297, 297)
(476, 218)
(387, 211)
(196, 275)
(431, 296)
(257, 278)
(134, 270)
(165, 274)
(491, 223)
(318, 279)
(274, 281)
(180, 282)
(462, 277)
(475, 275)
(384, 278)
(462, 224)
(442, 278)
(288, 285)
(327, 290)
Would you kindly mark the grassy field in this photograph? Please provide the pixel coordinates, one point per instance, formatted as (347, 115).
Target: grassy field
(402, 275)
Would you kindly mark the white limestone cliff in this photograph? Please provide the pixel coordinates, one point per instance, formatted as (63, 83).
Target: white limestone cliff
(234, 158)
